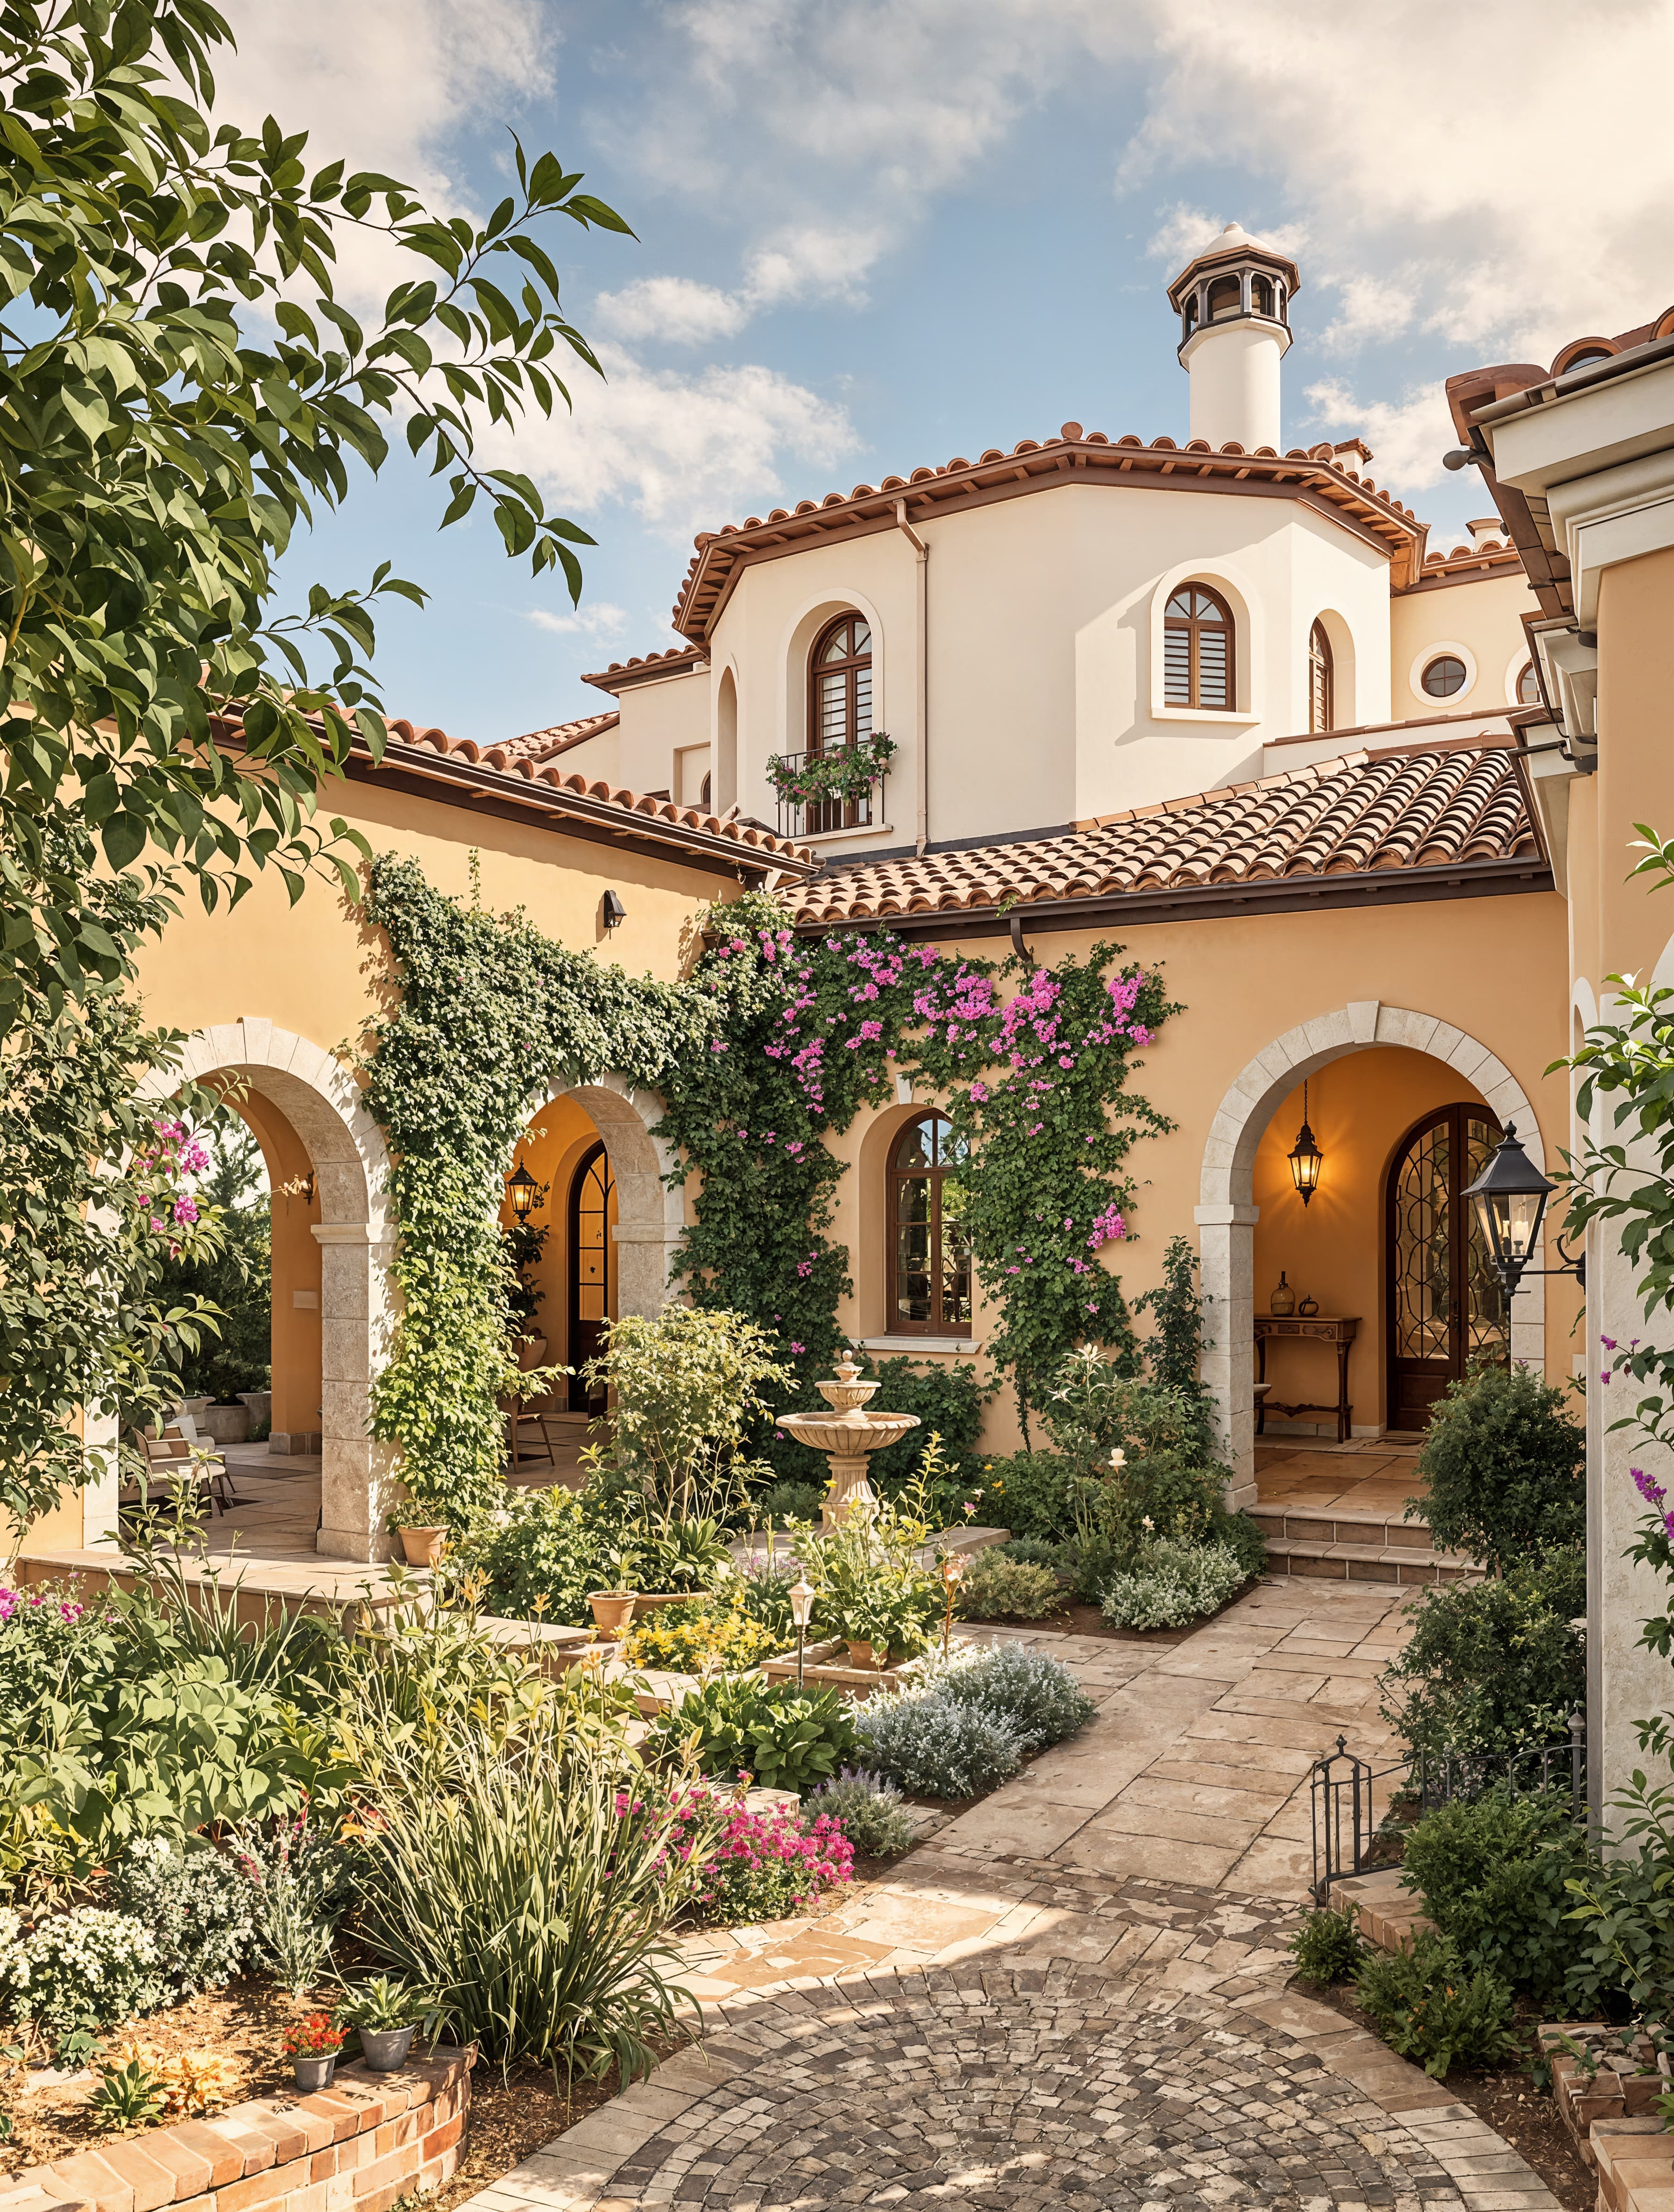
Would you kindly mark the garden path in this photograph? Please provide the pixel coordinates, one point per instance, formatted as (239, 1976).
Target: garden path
(1070, 1995)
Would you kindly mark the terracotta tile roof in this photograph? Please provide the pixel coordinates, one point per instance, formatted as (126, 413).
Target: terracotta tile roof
(647, 667)
(1367, 812)
(523, 768)
(1465, 564)
(1322, 474)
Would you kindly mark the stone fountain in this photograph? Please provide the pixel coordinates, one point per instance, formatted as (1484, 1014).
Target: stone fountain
(847, 1435)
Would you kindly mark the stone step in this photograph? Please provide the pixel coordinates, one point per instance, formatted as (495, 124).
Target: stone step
(1366, 1562)
(1320, 1525)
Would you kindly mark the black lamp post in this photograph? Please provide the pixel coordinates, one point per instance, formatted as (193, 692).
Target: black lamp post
(1306, 1156)
(523, 1190)
(1510, 1197)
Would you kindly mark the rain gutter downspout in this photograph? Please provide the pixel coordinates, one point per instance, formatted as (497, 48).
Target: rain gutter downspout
(922, 555)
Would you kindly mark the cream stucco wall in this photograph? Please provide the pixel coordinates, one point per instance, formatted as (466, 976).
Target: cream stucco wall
(1485, 617)
(659, 721)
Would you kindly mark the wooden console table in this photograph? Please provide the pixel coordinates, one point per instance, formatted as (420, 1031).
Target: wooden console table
(1320, 1328)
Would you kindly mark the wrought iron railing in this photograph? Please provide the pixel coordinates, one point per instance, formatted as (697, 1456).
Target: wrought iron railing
(856, 809)
(1355, 1804)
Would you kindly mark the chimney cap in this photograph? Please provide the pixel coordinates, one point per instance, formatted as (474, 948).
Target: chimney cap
(1234, 246)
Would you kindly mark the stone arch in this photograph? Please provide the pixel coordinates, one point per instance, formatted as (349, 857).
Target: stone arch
(323, 1103)
(650, 1211)
(1226, 1213)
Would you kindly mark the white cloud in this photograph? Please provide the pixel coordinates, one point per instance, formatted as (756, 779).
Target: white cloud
(676, 309)
(685, 452)
(1408, 436)
(596, 622)
(809, 262)
(1372, 308)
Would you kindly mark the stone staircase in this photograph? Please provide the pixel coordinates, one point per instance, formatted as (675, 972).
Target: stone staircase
(1334, 1546)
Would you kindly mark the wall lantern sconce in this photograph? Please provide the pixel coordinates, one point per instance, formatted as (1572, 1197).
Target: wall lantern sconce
(615, 914)
(1510, 1198)
(1306, 1156)
(300, 1187)
(523, 1190)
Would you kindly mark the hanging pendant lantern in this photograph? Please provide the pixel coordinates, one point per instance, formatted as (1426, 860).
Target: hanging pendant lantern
(523, 1190)
(1306, 1156)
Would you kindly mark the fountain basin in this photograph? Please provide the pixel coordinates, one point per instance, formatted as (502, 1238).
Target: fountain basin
(847, 1435)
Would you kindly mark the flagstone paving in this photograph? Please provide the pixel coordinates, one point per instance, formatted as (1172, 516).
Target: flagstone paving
(1073, 1995)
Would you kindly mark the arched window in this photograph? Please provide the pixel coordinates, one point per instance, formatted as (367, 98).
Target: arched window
(1444, 677)
(1261, 295)
(1225, 299)
(1319, 678)
(840, 685)
(929, 1249)
(1528, 686)
(1197, 649)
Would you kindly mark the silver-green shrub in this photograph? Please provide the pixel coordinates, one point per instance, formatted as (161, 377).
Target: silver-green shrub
(88, 1969)
(199, 1909)
(1173, 1584)
(870, 1810)
(1034, 1695)
(933, 1747)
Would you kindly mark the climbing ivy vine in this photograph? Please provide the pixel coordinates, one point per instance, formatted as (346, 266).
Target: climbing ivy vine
(775, 1044)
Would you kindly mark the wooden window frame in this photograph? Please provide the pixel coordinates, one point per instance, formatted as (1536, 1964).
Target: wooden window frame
(1529, 671)
(1193, 627)
(1322, 699)
(850, 670)
(896, 1324)
(1435, 661)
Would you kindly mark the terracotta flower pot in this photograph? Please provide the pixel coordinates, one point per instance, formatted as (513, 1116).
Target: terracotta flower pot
(384, 2049)
(861, 1654)
(422, 1547)
(612, 1609)
(531, 1351)
(651, 1601)
(314, 2071)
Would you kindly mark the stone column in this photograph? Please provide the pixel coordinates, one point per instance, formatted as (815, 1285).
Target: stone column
(356, 1480)
(1227, 1267)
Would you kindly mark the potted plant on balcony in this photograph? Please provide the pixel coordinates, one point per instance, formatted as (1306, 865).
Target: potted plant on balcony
(845, 774)
(311, 2046)
(388, 2015)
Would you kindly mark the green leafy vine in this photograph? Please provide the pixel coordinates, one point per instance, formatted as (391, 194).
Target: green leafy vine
(774, 1044)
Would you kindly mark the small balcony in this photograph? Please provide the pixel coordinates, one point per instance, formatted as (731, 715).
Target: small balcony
(857, 803)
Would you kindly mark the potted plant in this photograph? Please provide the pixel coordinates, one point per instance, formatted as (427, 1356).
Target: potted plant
(613, 1608)
(388, 2015)
(311, 2046)
(423, 1535)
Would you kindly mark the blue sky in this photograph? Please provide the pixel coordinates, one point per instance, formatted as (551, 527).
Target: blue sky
(875, 236)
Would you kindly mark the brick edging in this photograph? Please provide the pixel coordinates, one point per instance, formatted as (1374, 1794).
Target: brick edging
(353, 2148)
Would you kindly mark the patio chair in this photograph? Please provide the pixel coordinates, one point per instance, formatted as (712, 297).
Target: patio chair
(519, 1417)
(170, 1465)
(199, 1442)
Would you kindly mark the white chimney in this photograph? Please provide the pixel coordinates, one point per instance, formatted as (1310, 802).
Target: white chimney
(1233, 300)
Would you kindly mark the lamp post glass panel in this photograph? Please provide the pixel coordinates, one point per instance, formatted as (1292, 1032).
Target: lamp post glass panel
(1510, 1197)
(801, 1612)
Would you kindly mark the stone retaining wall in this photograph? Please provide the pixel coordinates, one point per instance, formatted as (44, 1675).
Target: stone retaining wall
(353, 2148)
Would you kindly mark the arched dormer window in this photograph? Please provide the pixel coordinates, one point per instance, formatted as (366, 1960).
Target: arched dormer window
(1319, 680)
(929, 1249)
(1528, 686)
(1197, 649)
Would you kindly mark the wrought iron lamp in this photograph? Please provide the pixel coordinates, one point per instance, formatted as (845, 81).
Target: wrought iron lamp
(614, 913)
(1306, 1156)
(801, 1612)
(1510, 1197)
(523, 1190)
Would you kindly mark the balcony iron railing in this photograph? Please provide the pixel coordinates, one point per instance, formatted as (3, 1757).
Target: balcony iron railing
(859, 808)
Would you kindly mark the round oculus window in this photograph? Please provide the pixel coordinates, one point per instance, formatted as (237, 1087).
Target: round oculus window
(1445, 675)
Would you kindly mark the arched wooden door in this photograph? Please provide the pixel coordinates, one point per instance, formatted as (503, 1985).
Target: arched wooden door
(1445, 1303)
(591, 1192)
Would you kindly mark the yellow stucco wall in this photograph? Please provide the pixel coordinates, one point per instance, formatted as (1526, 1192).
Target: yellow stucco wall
(1486, 617)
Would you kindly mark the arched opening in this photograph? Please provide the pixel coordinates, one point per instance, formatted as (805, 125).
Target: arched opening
(599, 1236)
(839, 713)
(927, 1249)
(1198, 655)
(1225, 299)
(331, 1301)
(725, 770)
(1388, 1067)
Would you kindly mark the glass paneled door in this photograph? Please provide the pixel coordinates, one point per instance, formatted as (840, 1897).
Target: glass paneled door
(592, 1210)
(1445, 1303)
